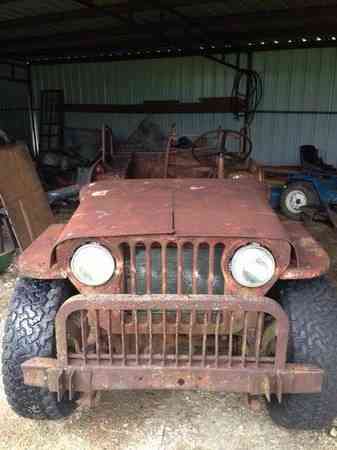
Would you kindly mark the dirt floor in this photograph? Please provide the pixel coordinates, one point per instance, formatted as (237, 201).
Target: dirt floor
(161, 420)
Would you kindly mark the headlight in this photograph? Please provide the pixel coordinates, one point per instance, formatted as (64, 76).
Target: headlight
(92, 264)
(252, 266)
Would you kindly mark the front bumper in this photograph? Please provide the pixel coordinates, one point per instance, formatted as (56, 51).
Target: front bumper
(207, 342)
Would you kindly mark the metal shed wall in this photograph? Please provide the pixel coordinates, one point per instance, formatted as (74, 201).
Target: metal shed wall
(14, 118)
(131, 82)
(303, 83)
(299, 104)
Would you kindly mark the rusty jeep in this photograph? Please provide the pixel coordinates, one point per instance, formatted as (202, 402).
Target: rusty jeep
(166, 280)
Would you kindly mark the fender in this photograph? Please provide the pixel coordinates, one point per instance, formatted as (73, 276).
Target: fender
(35, 261)
(310, 260)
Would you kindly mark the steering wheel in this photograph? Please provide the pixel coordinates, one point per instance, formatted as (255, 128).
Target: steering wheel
(207, 147)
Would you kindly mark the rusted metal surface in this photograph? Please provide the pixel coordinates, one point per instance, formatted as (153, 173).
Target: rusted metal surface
(187, 207)
(117, 168)
(226, 208)
(122, 208)
(172, 140)
(35, 261)
(165, 264)
(170, 342)
(311, 259)
(191, 265)
(166, 316)
(207, 147)
(147, 165)
(112, 208)
(295, 379)
(172, 316)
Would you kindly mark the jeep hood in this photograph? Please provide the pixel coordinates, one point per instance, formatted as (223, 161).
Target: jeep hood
(183, 208)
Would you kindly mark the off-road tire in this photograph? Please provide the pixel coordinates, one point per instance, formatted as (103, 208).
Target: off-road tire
(312, 309)
(30, 332)
(307, 190)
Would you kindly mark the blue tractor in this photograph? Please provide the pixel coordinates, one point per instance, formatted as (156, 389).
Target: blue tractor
(313, 191)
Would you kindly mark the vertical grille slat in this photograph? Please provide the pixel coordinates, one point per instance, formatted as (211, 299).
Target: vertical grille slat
(83, 335)
(211, 269)
(164, 268)
(230, 338)
(190, 337)
(179, 269)
(258, 339)
(97, 333)
(244, 339)
(148, 265)
(149, 318)
(164, 336)
(123, 337)
(216, 338)
(135, 322)
(177, 336)
(110, 337)
(204, 338)
(195, 268)
(133, 269)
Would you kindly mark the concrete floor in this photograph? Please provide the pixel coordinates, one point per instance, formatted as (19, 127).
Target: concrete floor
(160, 420)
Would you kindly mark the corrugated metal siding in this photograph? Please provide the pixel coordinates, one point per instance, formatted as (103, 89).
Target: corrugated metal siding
(14, 117)
(16, 124)
(12, 95)
(124, 124)
(135, 81)
(297, 80)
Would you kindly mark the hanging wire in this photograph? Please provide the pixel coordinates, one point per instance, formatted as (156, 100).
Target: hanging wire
(253, 94)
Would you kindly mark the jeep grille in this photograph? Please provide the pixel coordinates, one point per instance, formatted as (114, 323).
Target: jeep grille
(173, 268)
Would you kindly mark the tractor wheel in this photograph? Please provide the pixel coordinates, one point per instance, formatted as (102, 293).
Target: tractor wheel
(311, 306)
(295, 197)
(30, 332)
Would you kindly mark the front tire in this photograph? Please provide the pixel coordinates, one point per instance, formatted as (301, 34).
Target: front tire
(311, 306)
(30, 332)
(297, 196)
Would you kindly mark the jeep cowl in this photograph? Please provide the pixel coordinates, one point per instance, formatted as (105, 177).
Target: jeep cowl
(191, 283)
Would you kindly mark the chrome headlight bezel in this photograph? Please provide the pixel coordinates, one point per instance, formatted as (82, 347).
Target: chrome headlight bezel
(249, 258)
(89, 257)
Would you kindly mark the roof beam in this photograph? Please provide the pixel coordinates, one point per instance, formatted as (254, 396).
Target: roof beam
(90, 11)
(4, 2)
(294, 23)
(293, 17)
(32, 21)
(108, 34)
(143, 45)
(58, 58)
(106, 10)
(88, 39)
(146, 5)
(316, 16)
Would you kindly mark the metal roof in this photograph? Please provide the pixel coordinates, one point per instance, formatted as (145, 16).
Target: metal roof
(58, 30)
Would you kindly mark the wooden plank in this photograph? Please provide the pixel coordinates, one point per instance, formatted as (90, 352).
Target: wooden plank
(22, 194)
(222, 105)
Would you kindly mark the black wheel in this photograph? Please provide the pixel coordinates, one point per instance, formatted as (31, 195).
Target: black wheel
(312, 309)
(29, 332)
(295, 197)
